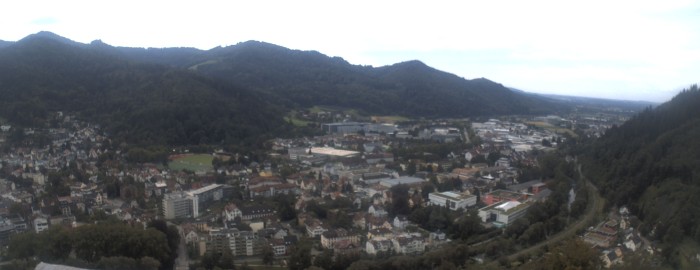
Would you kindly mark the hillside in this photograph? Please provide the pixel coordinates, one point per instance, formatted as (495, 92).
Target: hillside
(138, 103)
(307, 78)
(652, 164)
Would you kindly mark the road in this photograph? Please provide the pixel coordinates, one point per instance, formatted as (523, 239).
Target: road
(182, 262)
(594, 209)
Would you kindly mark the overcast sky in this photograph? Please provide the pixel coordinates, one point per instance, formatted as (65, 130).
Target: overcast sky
(631, 49)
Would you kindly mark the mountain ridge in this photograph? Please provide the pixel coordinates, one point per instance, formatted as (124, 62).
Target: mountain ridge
(276, 79)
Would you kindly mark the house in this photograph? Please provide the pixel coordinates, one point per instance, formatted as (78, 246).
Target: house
(409, 244)
(278, 247)
(257, 212)
(379, 233)
(633, 242)
(314, 227)
(331, 237)
(230, 212)
(359, 220)
(374, 246)
(378, 222)
(377, 211)
(400, 222)
(437, 238)
(346, 247)
(191, 237)
(611, 257)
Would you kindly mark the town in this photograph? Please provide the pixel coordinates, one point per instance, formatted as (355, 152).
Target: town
(362, 190)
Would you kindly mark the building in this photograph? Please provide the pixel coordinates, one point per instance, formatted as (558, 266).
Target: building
(331, 237)
(332, 152)
(504, 214)
(452, 200)
(343, 128)
(245, 243)
(501, 195)
(403, 180)
(41, 224)
(257, 212)
(203, 197)
(374, 247)
(7, 229)
(409, 244)
(356, 127)
(314, 227)
(177, 205)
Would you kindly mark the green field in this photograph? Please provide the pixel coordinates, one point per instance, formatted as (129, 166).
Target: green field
(555, 129)
(290, 117)
(192, 162)
(391, 119)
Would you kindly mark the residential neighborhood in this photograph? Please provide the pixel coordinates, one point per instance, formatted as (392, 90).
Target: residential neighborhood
(352, 191)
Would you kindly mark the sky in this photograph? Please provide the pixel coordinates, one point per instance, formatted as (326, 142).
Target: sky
(626, 49)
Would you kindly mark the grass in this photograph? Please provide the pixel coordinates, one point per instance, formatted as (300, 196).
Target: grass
(555, 129)
(296, 121)
(391, 119)
(192, 162)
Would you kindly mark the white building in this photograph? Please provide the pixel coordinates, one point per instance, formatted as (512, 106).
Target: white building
(202, 197)
(41, 224)
(504, 213)
(177, 205)
(452, 200)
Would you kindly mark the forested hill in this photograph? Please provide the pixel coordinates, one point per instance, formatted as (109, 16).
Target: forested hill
(307, 78)
(652, 164)
(136, 102)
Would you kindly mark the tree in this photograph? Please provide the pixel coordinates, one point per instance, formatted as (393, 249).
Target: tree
(300, 257)
(209, 260)
(268, 255)
(399, 200)
(149, 263)
(546, 143)
(427, 189)
(572, 254)
(226, 260)
(325, 260)
(411, 168)
(493, 157)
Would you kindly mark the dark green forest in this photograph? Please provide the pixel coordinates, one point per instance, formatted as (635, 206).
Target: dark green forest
(651, 164)
(143, 104)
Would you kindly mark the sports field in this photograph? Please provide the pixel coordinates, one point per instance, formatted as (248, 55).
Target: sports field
(192, 162)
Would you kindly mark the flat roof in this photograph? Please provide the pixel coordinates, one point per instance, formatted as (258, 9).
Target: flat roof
(408, 180)
(452, 195)
(329, 151)
(203, 189)
(508, 205)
